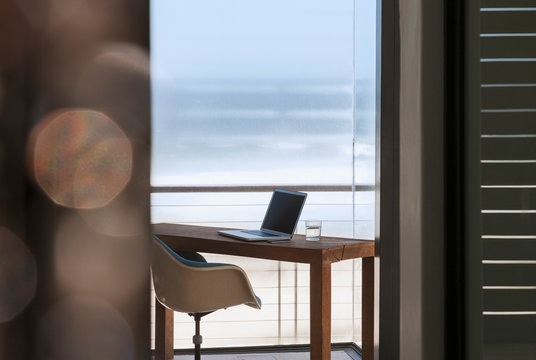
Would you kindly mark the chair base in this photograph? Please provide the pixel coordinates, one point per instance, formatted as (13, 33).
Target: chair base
(197, 339)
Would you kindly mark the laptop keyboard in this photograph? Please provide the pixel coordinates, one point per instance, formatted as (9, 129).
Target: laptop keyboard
(257, 232)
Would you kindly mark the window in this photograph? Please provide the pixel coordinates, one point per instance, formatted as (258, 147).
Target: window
(251, 95)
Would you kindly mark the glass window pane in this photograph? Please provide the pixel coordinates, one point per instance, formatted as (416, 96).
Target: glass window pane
(251, 92)
(263, 93)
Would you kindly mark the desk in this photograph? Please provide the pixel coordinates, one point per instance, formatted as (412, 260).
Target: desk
(319, 255)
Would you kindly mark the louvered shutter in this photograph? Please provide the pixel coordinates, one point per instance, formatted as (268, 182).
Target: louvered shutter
(508, 177)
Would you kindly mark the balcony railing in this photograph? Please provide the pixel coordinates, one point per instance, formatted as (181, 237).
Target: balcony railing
(258, 188)
(284, 287)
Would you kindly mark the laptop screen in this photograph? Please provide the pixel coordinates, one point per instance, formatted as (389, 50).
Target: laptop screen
(284, 211)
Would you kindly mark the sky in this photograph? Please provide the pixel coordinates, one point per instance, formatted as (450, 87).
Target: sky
(206, 39)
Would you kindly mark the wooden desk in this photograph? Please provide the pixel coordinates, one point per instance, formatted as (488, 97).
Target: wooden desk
(319, 255)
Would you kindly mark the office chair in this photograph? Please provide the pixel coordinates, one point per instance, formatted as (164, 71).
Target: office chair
(186, 282)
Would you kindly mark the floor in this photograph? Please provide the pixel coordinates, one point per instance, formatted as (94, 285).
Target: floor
(294, 355)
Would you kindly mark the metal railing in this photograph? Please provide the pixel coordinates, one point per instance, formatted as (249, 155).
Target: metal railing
(258, 188)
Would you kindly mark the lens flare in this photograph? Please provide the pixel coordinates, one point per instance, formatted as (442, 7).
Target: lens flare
(84, 328)
(18, 276)
(80, 158)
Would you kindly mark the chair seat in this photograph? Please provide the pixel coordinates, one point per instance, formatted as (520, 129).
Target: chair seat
(198, 286)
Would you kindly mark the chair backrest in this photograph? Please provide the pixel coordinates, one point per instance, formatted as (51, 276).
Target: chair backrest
(190, 286)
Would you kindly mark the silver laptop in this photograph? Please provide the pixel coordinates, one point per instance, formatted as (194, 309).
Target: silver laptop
(279, 221)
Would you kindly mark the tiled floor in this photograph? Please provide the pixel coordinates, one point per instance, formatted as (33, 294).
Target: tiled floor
(335, 355)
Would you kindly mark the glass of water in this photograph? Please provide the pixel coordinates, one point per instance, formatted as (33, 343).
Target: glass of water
(313, 228)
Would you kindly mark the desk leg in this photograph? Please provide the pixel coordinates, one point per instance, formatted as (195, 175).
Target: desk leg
(320, 298)
(367, 308)
(163, 332)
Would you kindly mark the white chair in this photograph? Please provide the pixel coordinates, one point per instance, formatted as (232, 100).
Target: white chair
(186, 282)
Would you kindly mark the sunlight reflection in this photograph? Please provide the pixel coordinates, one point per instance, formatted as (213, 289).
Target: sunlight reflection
(18, 276)
(80, 158)
(84, 328)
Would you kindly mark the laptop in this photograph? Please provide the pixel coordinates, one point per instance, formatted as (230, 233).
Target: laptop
(279, 221)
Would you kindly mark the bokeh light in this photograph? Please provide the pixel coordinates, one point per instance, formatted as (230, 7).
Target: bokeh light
(18, 275)
(80, 158)
(90, 263)
(116, 78)
(117, 59)
(2, 92)
(63, 10)
(102, 173)
(122, 217)
(31, 11)
(84, 328)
